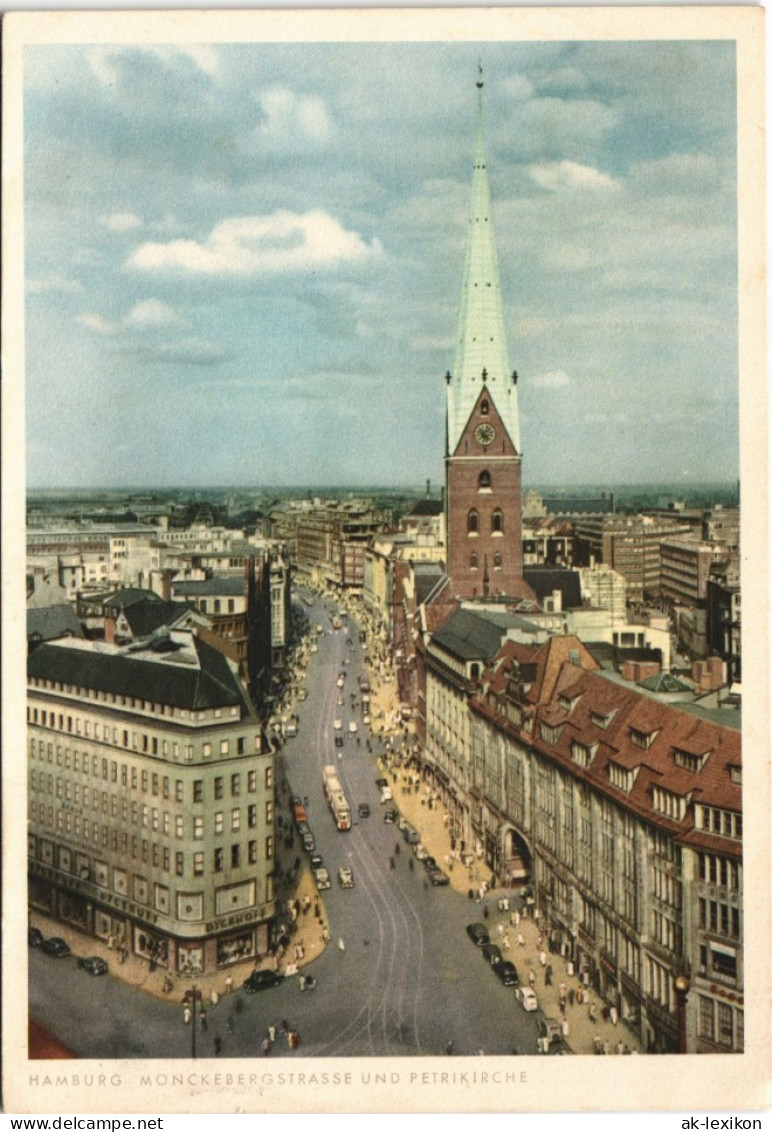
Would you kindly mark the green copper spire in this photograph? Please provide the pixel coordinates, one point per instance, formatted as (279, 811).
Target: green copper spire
(481, 344)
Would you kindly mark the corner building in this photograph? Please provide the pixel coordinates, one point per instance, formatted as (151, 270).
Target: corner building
(150, 800)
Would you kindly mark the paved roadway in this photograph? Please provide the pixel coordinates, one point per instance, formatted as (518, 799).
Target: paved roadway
(409, 980)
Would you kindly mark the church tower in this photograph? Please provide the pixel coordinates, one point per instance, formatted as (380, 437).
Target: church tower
(483, 455)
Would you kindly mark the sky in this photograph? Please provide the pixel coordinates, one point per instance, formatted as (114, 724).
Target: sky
(243, 262)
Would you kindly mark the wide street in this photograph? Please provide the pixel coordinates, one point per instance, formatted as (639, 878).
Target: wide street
(409, 980)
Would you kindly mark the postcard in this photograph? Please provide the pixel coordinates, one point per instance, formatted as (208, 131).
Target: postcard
(381, 388)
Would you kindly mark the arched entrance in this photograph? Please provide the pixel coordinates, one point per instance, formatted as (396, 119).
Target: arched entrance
(515, 858)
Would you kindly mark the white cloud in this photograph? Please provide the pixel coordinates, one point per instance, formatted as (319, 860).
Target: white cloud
(246, 246)
(290, 117)
(554, 379)
(204, 56)
(432, 342)
(145, 315)
(45, 283)
(518, 87)
(121, 221)
(558, 176)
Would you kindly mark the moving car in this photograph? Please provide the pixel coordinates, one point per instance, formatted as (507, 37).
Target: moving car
(478, 933)
(34, 937)
(93, 965)
(366, 719)
(507, 972)
(420, 851)
(527, 998)
(346, 878)
(322, 878)
(261, 980)
(403, 823)
(353, 728)
(412, 836)
(437, 877)
(387, 794)
(338, 725)
(56, 947)
(550, 1028)
(340, 701)
(492, 953)
(315, 861)
(364, 810)
(338, 740)
(380, 782)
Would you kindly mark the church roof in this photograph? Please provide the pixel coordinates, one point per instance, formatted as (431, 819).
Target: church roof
(481, 343)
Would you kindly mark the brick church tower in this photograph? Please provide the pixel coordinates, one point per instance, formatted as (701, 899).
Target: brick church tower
(483, 455)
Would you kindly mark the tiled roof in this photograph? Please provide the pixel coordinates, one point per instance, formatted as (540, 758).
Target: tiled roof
(471, 636)
(431, 507)
(630, 716)
(221, 585)
(195, 677)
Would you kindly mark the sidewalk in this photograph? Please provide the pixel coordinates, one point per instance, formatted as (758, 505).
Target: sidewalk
(582, 1033)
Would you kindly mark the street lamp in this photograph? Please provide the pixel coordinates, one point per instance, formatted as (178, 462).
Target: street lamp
(681, 986)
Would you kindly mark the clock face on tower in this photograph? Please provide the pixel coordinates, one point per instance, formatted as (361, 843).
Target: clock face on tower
(485, 434)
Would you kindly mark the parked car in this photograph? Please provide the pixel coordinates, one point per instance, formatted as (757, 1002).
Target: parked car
(364, 810)
(303, 828)
(322, 878)
(338, 725)
(353, 727)
(340, 701)
(550, 1028)
(93, 965)
(345, 878)
(478, 933)
(34, 937)
(387, 794)
(308, 842)
(507, 972)
(437, 877)
(527, 998)
(430, 863)
(420, 851)
(315, 861)
(403, 823)
(390, 816)
(56, 947)
(261, 980)
(412, 836)
(366, 719)
(492, 953)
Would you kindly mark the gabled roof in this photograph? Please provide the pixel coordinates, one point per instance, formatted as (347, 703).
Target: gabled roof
(146, 616)
(471, 636)
(543, 580)
(49, 622)
(193, 676)
(663, 682)
(427, 507)
(220, 585)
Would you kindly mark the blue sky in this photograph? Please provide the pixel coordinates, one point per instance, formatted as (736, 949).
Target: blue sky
(243, 262)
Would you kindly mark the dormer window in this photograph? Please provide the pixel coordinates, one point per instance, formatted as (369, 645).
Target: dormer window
(568, 702)
(689, 761)
(601, 720)
(642, 739)
(622, 777)
(736, 775)
(670, 804)
(582, 754)
(550, 732)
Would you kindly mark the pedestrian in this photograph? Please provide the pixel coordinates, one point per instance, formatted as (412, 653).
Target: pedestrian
(619, 1047)
(579, 996)
(410, 863)
(520, 939)
(543, 957)
(592, 1011)
(516, 918)
(564, 1028)
(266, 1047)
(214, 997)
(597, 1044)
(500, 930)
(548, 975)
(396, 850)
(449, 1048)
(186, 1014)
(217, 1045)
(607, 1049)
(562, 1006)
(284, 1026)
(485, 911)
(341, 944)
(392, 863)
(505, 943)
(571, 996)
(202, 1018)
(613, 1015)
(229, 1024)
(272, 1034)
(532, 977)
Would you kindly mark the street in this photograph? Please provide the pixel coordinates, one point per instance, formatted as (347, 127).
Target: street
(409, 981)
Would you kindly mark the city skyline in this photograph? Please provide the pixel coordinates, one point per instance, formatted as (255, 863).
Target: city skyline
(251, 272)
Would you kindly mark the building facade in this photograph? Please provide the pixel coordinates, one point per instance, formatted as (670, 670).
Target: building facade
(150, 801)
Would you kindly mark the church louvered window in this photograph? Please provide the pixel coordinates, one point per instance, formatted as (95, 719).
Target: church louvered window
(497, 522)
(471, 522)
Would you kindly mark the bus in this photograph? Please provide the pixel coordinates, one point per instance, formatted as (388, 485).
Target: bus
(336, 799)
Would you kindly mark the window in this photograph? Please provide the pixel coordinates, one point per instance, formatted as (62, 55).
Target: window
(724, 1023)
(269, 848)
(235, 785)
(484, 408)
(643, 739)
(689, 761)
(497, 522)
(235, 856)
(235, 820)
(707, 1029)
(218, 787)
(198, 864)
(218, 821)
(179, 827)
(206, 750)
(252, 815)
(472, 522)
(472, 561)
(179, 864)
(223, 746)
(497, 561)
(217, 860)
(252, 852)
(268, 777)
(484, 481)
(198, 790)
(198, 829)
